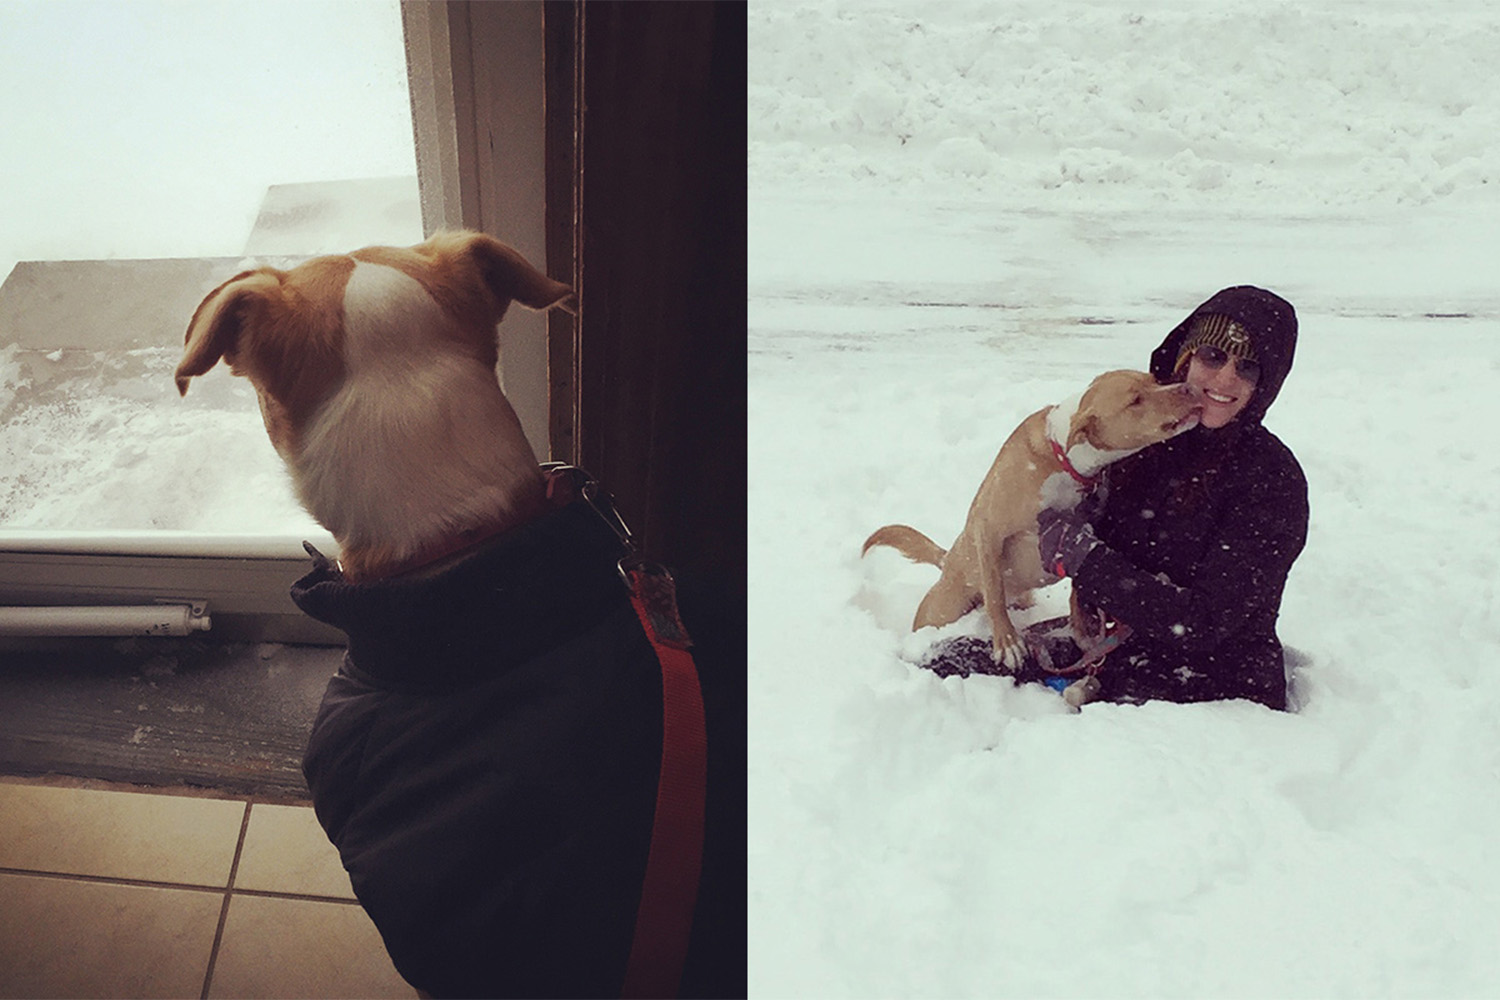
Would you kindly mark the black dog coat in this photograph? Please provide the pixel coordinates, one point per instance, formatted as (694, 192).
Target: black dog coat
(486, 761)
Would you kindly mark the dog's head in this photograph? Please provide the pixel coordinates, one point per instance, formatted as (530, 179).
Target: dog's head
(1124, 411)
(375, 373)
(298, 335)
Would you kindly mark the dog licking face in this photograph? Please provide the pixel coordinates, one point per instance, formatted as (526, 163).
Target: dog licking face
(375, 373)
(1120, 413)
(1045, 461)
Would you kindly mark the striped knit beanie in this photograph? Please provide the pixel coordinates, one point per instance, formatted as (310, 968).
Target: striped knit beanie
(1214, 330)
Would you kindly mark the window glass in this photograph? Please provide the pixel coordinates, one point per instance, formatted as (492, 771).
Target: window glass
(152, 149)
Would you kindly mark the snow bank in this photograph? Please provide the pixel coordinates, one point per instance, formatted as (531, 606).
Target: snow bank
(1269, 106)
(109, 445)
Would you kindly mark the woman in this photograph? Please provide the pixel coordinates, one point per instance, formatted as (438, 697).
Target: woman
(1196, 535)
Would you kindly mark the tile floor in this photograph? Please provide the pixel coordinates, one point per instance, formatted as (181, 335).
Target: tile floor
(118, 892)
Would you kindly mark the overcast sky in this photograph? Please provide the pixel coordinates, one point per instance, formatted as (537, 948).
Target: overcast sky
(146, 128)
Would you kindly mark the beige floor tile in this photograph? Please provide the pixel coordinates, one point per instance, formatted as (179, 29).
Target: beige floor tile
(66, 938)
(125, 835)
(287, 851)
(276, 947)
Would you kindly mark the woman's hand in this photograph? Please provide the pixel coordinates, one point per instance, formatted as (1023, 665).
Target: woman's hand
(1065, 538)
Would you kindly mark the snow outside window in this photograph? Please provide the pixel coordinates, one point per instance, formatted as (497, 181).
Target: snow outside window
(152, 150)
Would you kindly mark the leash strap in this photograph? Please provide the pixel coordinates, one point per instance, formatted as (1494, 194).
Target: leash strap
(1086, 688)
(669, 890)
(1115, 632)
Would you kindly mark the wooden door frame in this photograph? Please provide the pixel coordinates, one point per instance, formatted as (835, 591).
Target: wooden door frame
(646, 128)
(475, 72)
(634, 152)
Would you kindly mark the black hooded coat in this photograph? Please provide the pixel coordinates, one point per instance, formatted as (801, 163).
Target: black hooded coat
(1199, 535)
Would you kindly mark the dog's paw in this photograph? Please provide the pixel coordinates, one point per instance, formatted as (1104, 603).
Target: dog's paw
(1009, 652)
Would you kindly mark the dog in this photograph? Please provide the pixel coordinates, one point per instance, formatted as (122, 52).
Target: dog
(487, 760)
(1051, 459)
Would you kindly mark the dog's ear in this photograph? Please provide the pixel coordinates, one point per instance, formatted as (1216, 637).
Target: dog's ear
(511, 278)
(1081, 427)
(215, 328)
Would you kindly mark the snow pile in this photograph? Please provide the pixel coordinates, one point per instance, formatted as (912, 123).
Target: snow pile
(111, 446)
(912, 836)
(1290, 107)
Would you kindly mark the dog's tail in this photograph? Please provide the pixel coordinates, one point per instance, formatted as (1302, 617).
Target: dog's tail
(910, 542)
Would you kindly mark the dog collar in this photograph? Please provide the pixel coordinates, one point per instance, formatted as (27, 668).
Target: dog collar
(562, 484)
(444, 548)
(451, 546)
(1087, 482)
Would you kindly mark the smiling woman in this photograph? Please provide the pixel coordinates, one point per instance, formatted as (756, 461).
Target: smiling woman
(1213, 341)
(1197, 535)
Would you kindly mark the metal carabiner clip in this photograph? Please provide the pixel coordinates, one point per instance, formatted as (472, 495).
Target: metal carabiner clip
(602, 502)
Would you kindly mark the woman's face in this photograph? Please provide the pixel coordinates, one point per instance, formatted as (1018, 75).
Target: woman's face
(1223, 384)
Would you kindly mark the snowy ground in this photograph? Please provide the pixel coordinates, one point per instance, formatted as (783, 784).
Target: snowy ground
(918, 837)
(111, 447)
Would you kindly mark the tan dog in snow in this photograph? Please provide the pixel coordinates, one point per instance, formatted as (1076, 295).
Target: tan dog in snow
(1050, 460)
(375, 372)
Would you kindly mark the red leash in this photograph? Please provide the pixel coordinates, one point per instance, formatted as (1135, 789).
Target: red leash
(669, 893)
(1086, 688)
(1111, 635)
(669, 890)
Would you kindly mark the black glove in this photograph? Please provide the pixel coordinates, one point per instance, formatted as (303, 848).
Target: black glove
(1065, 538)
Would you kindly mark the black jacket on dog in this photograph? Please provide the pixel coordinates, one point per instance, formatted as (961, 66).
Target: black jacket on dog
(1199, 535)
(486, 762)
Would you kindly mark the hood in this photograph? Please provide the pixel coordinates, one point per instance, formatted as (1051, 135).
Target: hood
(1272, 324)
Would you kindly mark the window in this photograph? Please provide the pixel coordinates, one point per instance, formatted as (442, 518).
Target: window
(153, 149)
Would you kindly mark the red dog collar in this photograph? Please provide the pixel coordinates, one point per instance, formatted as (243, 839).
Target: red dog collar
(1087, 482)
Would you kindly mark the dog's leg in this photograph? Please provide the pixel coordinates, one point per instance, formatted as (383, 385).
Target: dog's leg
(949, 600)
(1021, 565)
(955, 594)
(1008, 647)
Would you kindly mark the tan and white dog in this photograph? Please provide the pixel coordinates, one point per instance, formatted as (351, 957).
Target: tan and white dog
(1049, 460)
(375, 372)
(502, 848)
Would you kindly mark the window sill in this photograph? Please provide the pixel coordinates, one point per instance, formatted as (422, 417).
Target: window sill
(244, 579)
